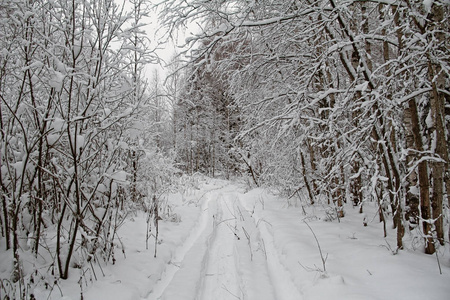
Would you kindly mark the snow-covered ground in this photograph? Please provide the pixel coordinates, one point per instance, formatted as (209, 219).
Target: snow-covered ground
(225, 243)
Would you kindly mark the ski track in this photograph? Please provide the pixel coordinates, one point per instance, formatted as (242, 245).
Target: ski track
(195, 242)
(228, 255)
(281, 279)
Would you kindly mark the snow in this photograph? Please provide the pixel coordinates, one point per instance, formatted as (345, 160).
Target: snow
(56, 81)
(123, 145)
(57, 125)
(429, 120)
(107, 112)
(427, 5)
(76, 48)
(34, 65)
(120, 176)
(127, 112)
(238, 244)
(268, 21)
(52, 139)
(60, 67)
(80, 140)
(18, 166)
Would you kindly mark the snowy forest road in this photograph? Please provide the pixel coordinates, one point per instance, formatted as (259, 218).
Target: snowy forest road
(228, 255)
(219, 240)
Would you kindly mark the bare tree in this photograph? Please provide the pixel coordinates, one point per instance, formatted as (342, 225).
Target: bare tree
(339, 86)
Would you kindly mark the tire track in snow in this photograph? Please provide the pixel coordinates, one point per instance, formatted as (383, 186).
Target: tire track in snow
(237, 264)
(221, 279)
(228, 255)
(280, 277)
(185, 258)
(252, 258)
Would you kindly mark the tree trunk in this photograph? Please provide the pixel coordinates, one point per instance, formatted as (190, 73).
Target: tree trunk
(5, 217)
(424, 184)
(437, 100)
(412, 200)
(305, 178)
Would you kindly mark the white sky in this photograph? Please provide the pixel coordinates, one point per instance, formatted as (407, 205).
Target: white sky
(154, 34)
(171, 48)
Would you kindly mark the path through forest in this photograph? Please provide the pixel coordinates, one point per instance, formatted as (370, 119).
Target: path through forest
(218, 240)
(225, 257)
(254, 245)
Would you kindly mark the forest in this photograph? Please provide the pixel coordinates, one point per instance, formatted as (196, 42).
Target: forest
(340, 104)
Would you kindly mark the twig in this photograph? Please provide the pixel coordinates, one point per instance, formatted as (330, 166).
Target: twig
(318, 245)
(394, 252)
(439, 263)
(234, 230)
(247, 235)
(100, 265)
(307, 269)
(230, 219)
(226, 289)
(262, 220)
(261, 200)
(264, 247)
(240, 213)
